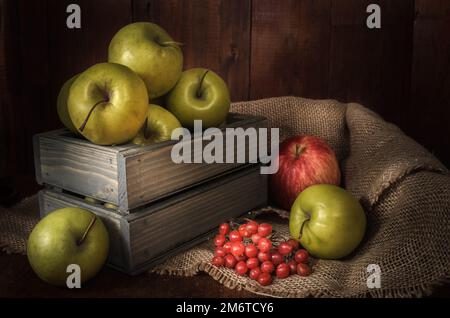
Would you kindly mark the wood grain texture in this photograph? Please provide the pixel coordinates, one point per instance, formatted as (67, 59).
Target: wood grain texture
(215, 33)
(429, 112)
(371, 66)
(128, 175)
(290, 48)
(142, 239)
(196, 212)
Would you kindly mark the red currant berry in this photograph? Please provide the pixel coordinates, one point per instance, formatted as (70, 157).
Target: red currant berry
(252, 263)
(256, 237)
(251, 250)
(235, 236)
(254, 273)
(265, 279)
(276, 258)
(219, 240)
(285, 248)
(224, 228)
(241, 268)
(294, 243)
(252, 227)
(283, 270)
(267, 267)
(237, 248)
(264, 244)
(227, 247)
(292, 266)
(240, 258)
(301, 256)
(230, 261)
(303, 269)
(220, 251)
(243, 231)
(218, 261)
(264, 256)
(264, 229)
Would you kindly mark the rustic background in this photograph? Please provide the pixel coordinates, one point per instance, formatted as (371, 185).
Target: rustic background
(262, 48)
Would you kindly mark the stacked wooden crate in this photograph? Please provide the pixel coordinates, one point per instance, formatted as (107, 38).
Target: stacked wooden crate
(152, 207)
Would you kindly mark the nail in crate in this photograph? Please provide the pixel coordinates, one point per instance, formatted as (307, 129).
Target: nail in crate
(128, 175)
(156, 231)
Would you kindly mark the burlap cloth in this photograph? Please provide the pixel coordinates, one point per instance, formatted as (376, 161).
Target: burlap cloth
(404, 189)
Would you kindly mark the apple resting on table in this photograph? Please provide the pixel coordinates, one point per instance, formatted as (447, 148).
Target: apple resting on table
(200, 94)
(151, 53)
(328, 221)
(68, 236)
(158, 126)
(108, 103)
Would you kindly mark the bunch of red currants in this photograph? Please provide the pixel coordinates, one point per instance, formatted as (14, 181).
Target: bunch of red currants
(249, 250)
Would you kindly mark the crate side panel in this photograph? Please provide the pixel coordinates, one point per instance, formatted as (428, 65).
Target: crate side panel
(167, 228)
(80, 169)
(153, 175)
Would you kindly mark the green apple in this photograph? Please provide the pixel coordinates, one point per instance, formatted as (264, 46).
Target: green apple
(61, 104)
(200, 94)
(110, 206)
(68, 236)
(328, 221)
(150, 52)
(158, 127)
(92, 200)
(108, 103)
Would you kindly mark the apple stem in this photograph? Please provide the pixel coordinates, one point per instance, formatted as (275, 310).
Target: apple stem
(301, 228)
(199, 89)
(298, 151)
(83, 125)
(168, 43)
(87, 230)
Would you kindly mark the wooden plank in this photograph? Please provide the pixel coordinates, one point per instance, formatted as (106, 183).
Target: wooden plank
(290, 48)
(195, 213)
(79, 168)
(427, 118)
(371, 66)
(216, 34)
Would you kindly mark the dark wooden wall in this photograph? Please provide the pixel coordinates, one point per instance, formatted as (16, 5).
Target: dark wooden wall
(262, 48)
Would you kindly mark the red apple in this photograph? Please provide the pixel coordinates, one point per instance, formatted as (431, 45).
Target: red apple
(303, 161)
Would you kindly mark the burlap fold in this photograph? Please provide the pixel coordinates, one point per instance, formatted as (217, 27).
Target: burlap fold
(404, 189)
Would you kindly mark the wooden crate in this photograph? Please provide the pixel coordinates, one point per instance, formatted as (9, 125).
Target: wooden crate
(128, 176)
(156, 231)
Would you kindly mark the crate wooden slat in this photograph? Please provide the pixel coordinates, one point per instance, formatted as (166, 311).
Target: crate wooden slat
(147, 236)
(128, 176)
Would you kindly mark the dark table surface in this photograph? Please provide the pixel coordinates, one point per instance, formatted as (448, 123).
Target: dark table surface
(17, 279)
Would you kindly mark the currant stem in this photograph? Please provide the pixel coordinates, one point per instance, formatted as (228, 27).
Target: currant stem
(87, 230)
(199, 89)
(83, 125)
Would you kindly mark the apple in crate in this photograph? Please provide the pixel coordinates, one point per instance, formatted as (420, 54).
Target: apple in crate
(328, 221)
(108, 103)
(200, 94)
(64, 237)
(61, 104)
(158, 126)
(303, 161)
(150, 52)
